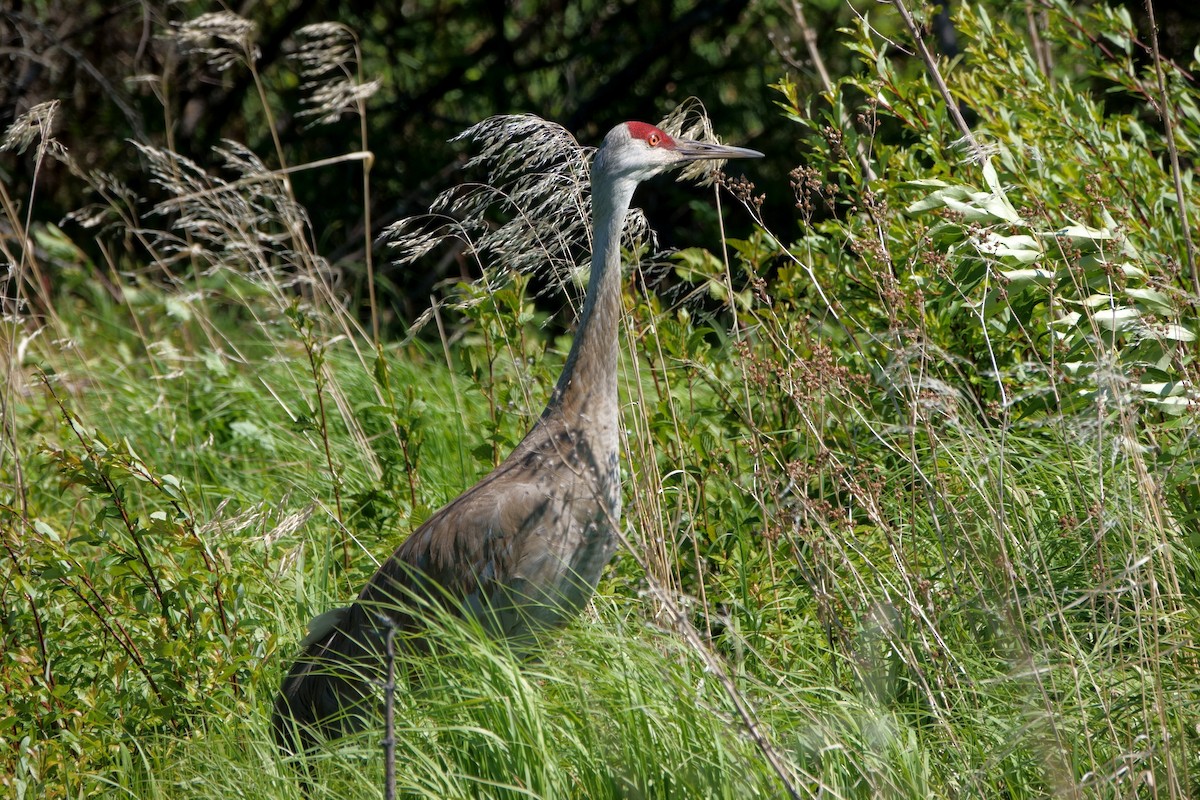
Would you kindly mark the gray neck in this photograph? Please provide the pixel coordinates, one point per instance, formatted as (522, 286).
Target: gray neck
(588, 385)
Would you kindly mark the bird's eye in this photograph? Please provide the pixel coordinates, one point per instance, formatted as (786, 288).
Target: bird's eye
(654, 139)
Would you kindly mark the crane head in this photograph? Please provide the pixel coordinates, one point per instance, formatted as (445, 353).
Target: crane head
(639, 150)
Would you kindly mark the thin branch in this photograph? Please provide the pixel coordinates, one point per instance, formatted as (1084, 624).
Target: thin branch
(683, 624)
(38, 625)
(316, 361)
(814, 55)
(931, 67)
(110, 488)
(111, 623)
(1041, 49)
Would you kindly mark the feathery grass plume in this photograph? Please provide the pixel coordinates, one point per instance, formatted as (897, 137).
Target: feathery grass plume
(16, 239)
(328, 58)
(974, 151)
(689, 120)
(35, 124)
(222, 38)
(537, 176)
(250, 223)
(330, 64)
(117, 199)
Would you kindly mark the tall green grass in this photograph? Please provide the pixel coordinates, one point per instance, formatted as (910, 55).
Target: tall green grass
(910, 500)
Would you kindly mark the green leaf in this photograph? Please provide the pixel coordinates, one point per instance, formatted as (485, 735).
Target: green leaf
(1120, 318)
(1160, 300)
(697, 264)
(1174, 332)
(1024, 277)
(47, 531)
(1021, 248)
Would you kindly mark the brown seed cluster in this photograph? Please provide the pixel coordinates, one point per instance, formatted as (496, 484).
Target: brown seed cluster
(834, 139)
(743, 189)
(803, 380)
(809, 189)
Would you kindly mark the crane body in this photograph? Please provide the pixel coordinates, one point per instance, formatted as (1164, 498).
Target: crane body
(523, 549)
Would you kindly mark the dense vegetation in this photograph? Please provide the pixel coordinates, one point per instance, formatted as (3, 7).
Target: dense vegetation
(911, 479)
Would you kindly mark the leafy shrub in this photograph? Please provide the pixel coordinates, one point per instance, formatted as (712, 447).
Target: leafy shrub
(910, 488)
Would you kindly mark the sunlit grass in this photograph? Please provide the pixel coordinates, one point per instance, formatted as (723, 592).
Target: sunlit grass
(858, 562)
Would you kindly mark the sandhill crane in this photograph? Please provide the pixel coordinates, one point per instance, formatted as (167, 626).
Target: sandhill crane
(523, 549)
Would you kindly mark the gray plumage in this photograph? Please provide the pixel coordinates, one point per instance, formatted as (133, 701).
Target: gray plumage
(523, 549)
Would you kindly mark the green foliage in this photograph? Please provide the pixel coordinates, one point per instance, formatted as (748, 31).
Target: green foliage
(991, 357)
(1054, 268)
(910, 487)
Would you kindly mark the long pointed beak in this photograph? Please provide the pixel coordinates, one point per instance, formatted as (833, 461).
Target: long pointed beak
(692, 150)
